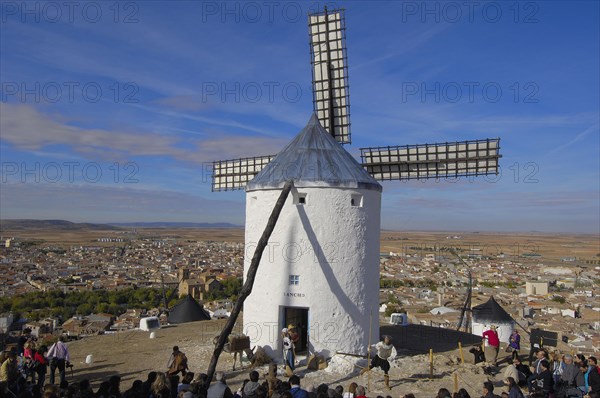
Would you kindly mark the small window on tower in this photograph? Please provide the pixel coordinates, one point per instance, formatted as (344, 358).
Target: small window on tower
(356, 200)
(294, 279)
(300, 199)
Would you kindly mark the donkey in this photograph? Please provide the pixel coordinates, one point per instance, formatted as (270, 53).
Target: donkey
(238, 344)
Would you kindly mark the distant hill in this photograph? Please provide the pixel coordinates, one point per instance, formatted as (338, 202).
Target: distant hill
(63, 225)
(160, 224)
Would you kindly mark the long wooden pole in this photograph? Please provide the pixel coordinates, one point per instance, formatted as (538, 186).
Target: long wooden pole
(250, 276)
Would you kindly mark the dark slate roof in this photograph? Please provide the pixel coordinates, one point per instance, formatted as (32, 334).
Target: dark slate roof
(187, 310)
(491, 312)
(313, 159)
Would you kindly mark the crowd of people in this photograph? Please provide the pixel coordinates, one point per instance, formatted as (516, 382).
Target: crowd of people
(29, 363)
(551, 375)
(23, 375)
(555, 374)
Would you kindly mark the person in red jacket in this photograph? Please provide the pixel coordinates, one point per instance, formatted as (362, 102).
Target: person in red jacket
(42, 365)
(493, 341)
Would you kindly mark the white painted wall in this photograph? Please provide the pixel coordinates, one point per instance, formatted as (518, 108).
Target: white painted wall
(504, 329)
(334, 248)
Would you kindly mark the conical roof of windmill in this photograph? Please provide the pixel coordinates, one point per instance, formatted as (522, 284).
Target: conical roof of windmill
(491, 311)
(313, 159)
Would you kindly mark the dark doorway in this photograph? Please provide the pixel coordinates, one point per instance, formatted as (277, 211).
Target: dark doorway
(298, 318)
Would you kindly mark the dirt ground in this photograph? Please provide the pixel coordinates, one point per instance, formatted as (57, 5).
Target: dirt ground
(133, 354)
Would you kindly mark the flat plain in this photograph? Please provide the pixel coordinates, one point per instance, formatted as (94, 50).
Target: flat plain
(549, 248)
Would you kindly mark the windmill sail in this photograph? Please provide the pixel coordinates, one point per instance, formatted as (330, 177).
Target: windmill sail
(331, 103)
(331, 100)
(450, 159)
(234, 174)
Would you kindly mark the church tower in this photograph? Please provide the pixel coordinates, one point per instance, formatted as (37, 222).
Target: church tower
(183, 274)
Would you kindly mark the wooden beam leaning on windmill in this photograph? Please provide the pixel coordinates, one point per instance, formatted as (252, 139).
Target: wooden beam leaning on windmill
(386, 352)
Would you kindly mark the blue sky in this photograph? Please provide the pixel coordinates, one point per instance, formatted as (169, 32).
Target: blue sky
(110, 112)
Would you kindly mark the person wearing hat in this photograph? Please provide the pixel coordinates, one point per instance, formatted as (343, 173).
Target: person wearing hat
(385, 352)
(288, 352)
(494, 342)
(294, 335)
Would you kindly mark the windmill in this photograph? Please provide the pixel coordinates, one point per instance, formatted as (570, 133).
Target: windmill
(322, 269)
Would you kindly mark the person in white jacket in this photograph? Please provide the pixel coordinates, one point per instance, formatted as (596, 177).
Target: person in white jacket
(288, 352)
(59, 359)
(386, 352)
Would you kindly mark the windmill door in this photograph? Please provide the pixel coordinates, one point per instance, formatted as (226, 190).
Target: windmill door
(297, 318)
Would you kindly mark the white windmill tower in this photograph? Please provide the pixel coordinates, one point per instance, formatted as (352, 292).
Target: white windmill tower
(320, 270)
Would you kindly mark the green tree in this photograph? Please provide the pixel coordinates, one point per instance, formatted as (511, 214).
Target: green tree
(102, 308)
(391, 309)
(232, 287)
(5, 304)
(37, 305)
(85, 309)
(33, 315)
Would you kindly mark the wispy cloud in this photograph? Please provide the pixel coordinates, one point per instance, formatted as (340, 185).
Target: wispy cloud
(211, 120)
(28, 129)
(593, 128)
(410, 40)
(183, 103)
